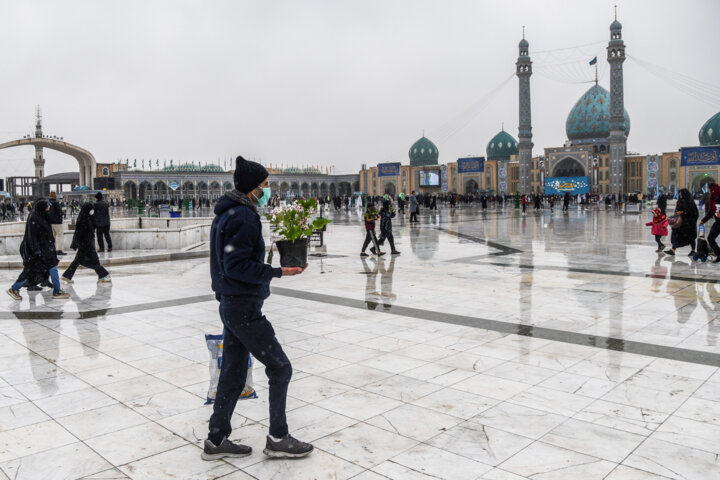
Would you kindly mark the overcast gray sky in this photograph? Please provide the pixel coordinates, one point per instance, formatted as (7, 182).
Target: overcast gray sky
(327, 82)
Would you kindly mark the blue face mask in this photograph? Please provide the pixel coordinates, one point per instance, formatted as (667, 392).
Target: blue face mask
(262, 201)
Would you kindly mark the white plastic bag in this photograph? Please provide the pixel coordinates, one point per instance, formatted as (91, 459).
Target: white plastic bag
(215, 347)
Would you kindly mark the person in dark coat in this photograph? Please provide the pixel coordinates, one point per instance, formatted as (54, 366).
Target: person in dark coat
(686, 233)
(566, 201)
(386, 216)
(101, 220)
(37, 250)
(84, 242)
(241, 282)
(56, 222)
(662, 203)
(712, 212)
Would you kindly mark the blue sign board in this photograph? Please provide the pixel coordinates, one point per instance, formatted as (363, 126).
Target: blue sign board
(174, 185)
(560, 185)
(469, 165)
(388, 169)
(695, 156)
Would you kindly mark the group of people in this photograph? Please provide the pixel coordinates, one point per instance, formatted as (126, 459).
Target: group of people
(42, 244)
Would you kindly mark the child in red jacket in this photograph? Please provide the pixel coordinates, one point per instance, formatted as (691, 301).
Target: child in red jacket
(659, 227)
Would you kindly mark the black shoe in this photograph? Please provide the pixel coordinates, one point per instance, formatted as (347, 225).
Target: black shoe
(717, 260)
(101, 250)
(34, 288)
(46, 284)
(226, 448)
(692, 254)
(394, 252)
(60, 253)
(110, 249)
(669, 251)
(372, 250)
(287, 447)
(363, 254)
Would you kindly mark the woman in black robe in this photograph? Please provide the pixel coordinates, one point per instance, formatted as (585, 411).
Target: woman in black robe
(686, 233)
(38, 252)
(84, 242)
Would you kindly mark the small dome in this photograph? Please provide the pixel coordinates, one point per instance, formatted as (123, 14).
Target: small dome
(710, 132)
(212, 168)
(589, 120)
(502, 146)
(523, 44)
(615, 25)
(423, 152)
(187, 167)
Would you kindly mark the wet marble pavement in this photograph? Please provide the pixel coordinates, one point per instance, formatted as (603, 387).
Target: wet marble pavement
(497, 346)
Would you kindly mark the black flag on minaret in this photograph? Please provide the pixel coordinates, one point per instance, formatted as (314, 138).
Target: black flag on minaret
(593, 61)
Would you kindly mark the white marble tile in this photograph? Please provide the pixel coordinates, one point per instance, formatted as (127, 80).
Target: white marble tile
(166, 404)
(641, 421)
(405, 420)
(541, 461)
(134, 443)
(474, 440)
(499, 474)
(74, 402)
(402, 388)
(71, 461)
(492, 387)
(102, 420)
(701, 410)
(139, 387)
(313, 467)
(356, 375)
(359, 404)
(690, 433)
(365, 445)
(184, 376)
(459, 403)
(20, 415)
(622, 472)
(57, 385)
(31, 439)
(183, 462)
(595, 440)
(110, 474)
(659, 401)
(312, 422)
(312, 389)
(579, 384)
(665, 382)
(674, 461)
(439, 463)
(519, 420)
(105, 375)
(317, 363)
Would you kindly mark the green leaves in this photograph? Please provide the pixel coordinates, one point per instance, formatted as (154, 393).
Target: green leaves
(292, 221)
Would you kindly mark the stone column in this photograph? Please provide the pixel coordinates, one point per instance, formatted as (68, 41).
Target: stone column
(523, 72)
(617, 139)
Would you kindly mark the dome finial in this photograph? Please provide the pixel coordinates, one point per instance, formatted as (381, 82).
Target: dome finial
(596, 74)
(615, 12)
(502, 126)
(523, 32)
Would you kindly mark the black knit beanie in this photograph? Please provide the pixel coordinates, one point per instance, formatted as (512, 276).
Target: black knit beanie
(98, 195)
(248, 175)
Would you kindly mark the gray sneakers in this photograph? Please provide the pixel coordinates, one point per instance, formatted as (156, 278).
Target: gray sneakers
(16, 295)
(287, 447)
(226, 448)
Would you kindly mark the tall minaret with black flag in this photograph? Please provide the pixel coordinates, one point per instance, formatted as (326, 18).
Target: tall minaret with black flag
(617, 139)
(524, 70)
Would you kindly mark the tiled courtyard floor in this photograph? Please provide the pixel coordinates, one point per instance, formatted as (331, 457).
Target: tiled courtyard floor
(496, 347)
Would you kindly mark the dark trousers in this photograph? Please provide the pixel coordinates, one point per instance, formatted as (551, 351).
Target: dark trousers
(390, 239)
(370, 237)
(103, 232)
(658, 239)
(714, 232)
(248, 331)
(88, 259)
(413, 217)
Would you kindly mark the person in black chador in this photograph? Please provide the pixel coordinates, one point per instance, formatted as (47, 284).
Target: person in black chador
(686, 233)
(37, 250)
(84, 242)
(241, 282)
(101, 220)
(386, 215)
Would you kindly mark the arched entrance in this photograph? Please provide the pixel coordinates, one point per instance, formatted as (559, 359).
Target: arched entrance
(471, 186)
(389, 188)
(699, 182)
(130, 190)
(569, 167)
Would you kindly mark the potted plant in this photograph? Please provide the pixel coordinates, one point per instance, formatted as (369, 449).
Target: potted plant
(293, 225)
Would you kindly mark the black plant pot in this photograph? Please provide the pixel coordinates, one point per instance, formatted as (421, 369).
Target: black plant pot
(293, 254)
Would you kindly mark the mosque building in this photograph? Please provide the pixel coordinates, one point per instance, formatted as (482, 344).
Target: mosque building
(594, 159)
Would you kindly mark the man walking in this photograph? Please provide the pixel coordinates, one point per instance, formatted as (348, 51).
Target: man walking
(101, 220)
(241, 282)
(414, 207)
(56, 222)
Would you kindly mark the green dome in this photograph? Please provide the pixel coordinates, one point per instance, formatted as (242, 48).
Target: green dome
(710, 132)
(589, 120)
(423, 152)
(212, 168)
(501, 147)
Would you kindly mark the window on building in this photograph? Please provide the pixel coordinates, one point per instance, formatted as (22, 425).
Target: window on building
(105, 172)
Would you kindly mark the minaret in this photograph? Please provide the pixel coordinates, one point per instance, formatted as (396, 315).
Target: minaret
(39, 159)
(524, 70)
(617, 139)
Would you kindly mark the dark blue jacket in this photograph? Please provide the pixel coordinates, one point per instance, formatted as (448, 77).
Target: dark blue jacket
(237, 252)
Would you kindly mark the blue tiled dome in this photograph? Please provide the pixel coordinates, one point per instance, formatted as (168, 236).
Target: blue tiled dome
(589, 120)
(501, 147)
(710, 132)
(423, 152)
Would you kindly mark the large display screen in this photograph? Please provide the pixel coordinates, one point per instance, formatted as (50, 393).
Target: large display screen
(429, 178)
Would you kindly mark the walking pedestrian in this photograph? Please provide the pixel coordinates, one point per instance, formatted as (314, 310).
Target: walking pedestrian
(370, 216)
(101, 220)
(387, 213)
(414, 207)
(56, 222)
(712, 212)
(662, 202)
(659, 225)
(686, 233)
(84, 242)
(37, 250)
(241, 282)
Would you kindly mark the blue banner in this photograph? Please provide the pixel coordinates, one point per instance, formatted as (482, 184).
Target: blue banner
(388, 169)
(692, 156)
(560, 185)
(469, 165)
